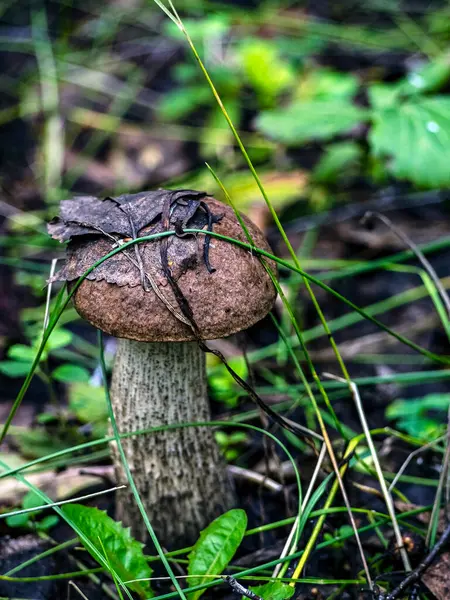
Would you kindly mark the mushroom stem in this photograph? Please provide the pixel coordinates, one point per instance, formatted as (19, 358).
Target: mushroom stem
(180, 474)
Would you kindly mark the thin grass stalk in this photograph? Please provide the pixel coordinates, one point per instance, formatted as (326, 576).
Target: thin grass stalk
(320, 521)
(386, 493)
(289, 545)
(434, 520)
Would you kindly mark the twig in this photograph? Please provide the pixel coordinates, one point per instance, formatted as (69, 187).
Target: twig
(49, 293)
(77, 589)
(267, 482)
(410, 457)
(415, 575)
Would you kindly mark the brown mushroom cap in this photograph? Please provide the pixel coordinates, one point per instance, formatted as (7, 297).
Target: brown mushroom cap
(238, 294)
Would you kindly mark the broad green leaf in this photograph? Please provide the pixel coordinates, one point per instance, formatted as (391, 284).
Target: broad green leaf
(179, 103)
(306, 121)
(58, 339)
(383, 95)
(13, 368)
(429, 77)
(415, 137)
(123, 552)
(215, 547)
(265, 71)
(274, 590)
(88, 402)
(326, 84)
(71, 373)
(22, 353)
(337, 162)
(47, 523)
(421, 417)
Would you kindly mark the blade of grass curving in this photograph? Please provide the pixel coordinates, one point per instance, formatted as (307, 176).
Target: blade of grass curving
(319, 524)
(61, 305)
(42, 555)
(77, 589)
(374, 265)
(410, 457)
(55, 577)
(386, 493)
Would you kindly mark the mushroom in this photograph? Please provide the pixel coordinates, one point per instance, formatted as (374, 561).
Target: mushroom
(159, 374)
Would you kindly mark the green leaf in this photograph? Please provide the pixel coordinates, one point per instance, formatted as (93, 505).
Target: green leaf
(18, 520)
(326, 84)
(383, 95)
(12, 368)
(31, 500)
(307, 121)
(88, 402)
(71, 373)
(123, 552)
(274, 590)
(215, 547)
(338, 161)
(429, 77)
(179, 103)
(58, 339)
(265, 71)
(415, 136)
(420, 417)
(22, 353)
(47, 523)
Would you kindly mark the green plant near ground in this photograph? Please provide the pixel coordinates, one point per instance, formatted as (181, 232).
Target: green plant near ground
(409, 124)
(105, 539)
